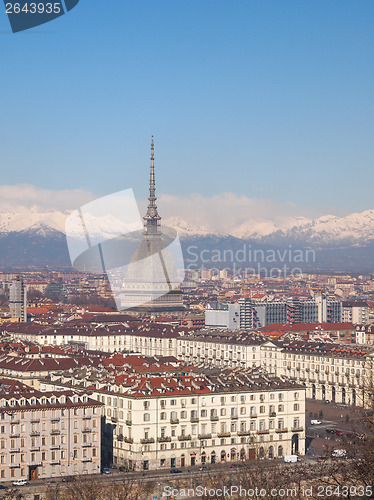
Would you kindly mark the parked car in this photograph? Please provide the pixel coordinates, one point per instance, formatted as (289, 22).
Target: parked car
(175, 471)
(123, 469)
(339, 433)
(2, 487)
(20, 482)
(291, 458)
(106, 471)
(69, 479)
(339, 453)
(330, 431)
(315, 422)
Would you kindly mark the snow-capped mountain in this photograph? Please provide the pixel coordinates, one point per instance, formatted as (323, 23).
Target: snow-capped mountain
(25, 220)
(32, 239)
(328, 230)
(355, 228)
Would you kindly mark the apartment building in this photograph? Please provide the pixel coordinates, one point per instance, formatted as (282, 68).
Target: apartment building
(329, 371)
(154, 338)
(49, 434)
(215, 416)
(356, 312)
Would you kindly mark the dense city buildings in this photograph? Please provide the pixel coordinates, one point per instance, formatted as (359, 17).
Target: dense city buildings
(223, 380)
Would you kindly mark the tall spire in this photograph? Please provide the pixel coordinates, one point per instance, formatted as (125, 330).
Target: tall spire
(151, 217)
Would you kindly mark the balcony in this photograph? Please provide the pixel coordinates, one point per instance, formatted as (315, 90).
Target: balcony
(35, 420)
(244, 433)
(164, 439)
(86, 429)
(194, 419)
(128, 440)
(214, 418)
(272, 414)
(224, 434)
(86, 445)
(86, 460)
(33, 448)
(120, 437)
(281, 430)
(234, 417)
(57, 462)
(204, 436)
(14, 422)
(56, 431)
(14, 436)
(34, 433)
(297, 429)
(263, 431)
(55, 419)
(128, 422)
(184, 437)
(174, 420)
(55, 447)
(147, 440)
(88, 417)
(114, 420)
(253, 415)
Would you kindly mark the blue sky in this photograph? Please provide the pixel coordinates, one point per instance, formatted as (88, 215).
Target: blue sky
(263, 99)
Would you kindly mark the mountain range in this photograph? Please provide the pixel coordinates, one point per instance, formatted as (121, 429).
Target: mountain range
(34, 239)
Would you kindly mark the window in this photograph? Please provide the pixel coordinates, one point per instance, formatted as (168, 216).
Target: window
(163, 416)
(146, 405)
(296, 407)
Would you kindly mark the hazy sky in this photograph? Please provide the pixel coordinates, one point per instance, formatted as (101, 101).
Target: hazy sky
(259, 98)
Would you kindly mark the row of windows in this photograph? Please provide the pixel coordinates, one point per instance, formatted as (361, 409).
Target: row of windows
(45, 455)
(53, 440)
(222, 412)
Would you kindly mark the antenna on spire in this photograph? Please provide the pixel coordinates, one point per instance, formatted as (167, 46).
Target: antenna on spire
(151, 217)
